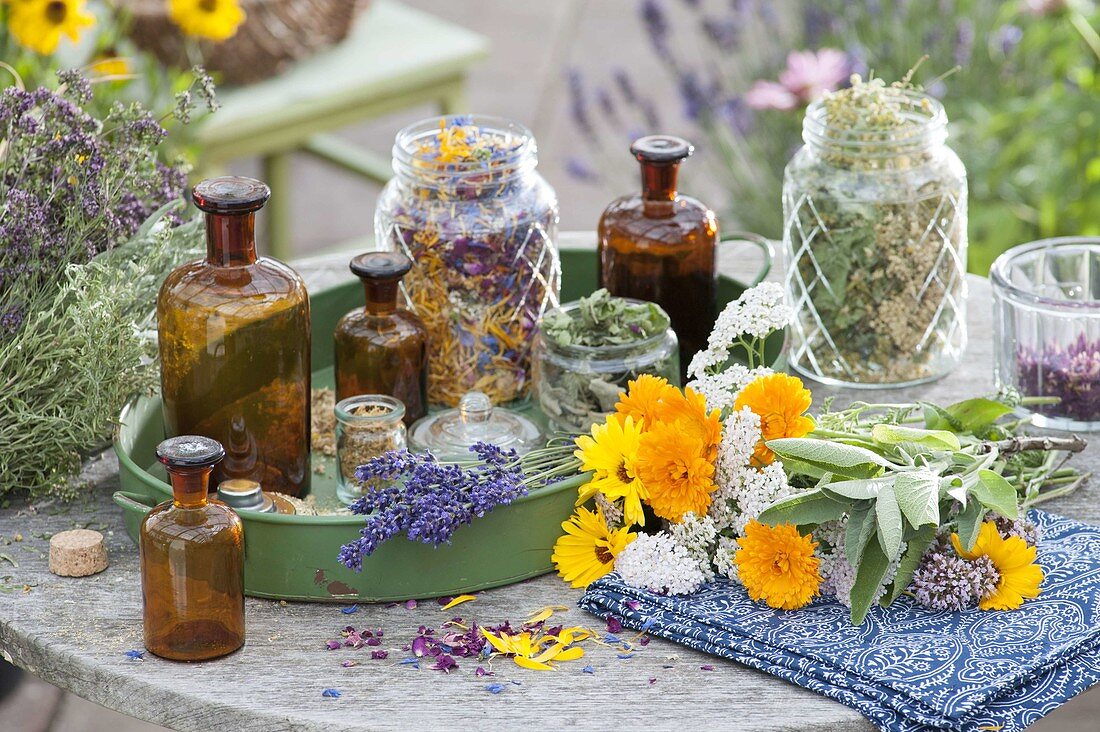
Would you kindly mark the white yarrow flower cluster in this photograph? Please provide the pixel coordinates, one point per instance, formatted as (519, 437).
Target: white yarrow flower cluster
(746, 494)
(759, 311)
(660, 564)
(722, 389)
(698, 535)
(723, 558)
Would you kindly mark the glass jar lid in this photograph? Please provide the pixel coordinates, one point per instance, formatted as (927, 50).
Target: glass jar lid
(450, 434)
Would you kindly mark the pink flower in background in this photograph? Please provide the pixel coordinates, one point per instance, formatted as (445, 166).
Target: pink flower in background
(1044, 7)
(808, 75)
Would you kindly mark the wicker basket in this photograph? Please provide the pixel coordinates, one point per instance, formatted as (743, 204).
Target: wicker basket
(275, 33)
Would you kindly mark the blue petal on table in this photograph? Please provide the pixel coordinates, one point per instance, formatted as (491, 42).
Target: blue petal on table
(906, 669)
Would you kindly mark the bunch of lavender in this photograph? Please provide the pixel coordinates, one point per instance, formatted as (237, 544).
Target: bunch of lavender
(72, 185)
(89, 226)
(430, 500)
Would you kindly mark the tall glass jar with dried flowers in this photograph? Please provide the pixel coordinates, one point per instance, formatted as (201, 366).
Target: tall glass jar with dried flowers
(875, 237)
(468, 207)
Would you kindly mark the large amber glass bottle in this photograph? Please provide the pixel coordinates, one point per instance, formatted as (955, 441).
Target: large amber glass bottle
(235, 346)
(660, 246)
(192, 560)
(381, 348)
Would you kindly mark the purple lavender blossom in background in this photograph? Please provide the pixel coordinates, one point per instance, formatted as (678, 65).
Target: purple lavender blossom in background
(1021, 528)
(964, 41)
(1008, 37)
(656, 25)
(946, 581)
(1072, 374)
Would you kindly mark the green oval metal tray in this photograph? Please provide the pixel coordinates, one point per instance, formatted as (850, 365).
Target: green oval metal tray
(294, 557)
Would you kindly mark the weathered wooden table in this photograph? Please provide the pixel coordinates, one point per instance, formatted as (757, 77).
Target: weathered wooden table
(76, 632)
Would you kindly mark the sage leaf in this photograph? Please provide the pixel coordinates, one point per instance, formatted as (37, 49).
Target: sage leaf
(858, 489)
(953, 486)
(970, 523)
(918, 495)
(869, 575)
(890, 525)
(996, 494)
(910, 560)
(808, 507)
(860, 529)
(895, 434)
(849, 461)
(972, 415)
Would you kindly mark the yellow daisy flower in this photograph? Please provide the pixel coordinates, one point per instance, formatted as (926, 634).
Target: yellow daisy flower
(217, 20)
(780, 401)
(39, 24)
(611, 452)
(588, 549)
(1014, 560)
(777, 565)
(675, 470)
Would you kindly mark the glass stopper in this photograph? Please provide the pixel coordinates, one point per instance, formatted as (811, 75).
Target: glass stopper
(661, 149)
(381, 265)
(190, 451)
(475, 407)
(230, 195)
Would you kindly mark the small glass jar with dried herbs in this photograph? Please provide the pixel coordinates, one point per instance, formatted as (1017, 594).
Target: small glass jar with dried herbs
(366, 426)
(875, 239)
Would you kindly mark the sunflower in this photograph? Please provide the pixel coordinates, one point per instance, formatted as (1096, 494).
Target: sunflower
(612, 453)
(781, 402)
(777, 565)
(39, 24)
(643, 398)
(217, 20)
(675, 469)
(1014, 560)
(588, 549)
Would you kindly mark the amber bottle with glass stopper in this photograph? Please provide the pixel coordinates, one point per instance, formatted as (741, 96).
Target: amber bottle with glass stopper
(660, 246)
(234, 338)
(383, 348)
(192, 560)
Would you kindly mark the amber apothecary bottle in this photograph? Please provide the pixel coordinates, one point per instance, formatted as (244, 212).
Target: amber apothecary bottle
(660, 246)
(192, 560)
(383, 348)
(235, 346)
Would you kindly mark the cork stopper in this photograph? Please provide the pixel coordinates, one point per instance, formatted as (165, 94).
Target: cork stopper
(77, 553)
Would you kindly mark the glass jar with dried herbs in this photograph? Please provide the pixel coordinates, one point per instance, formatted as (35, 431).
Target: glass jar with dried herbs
(588, 351)
(367, 426)
(875, 239)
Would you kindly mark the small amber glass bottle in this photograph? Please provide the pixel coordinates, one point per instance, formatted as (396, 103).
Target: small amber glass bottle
(192, 560)
(382, 348)
(660, 246)
(234, 336)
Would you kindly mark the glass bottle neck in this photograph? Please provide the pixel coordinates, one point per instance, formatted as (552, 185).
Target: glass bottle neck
(230, 239)
(659, 187)
(381, 296)
(189, 486)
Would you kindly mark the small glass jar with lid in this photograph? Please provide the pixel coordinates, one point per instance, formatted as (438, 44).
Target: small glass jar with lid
(1046, 330)
(468, 207)
(367, 426)
(450, 434)
(578, 385)
(875, 241)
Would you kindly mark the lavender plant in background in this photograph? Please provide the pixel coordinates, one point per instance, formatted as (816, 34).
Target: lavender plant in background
(1070, 373)
(745, 70)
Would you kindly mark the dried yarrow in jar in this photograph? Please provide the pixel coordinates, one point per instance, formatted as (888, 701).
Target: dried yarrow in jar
(468, 207)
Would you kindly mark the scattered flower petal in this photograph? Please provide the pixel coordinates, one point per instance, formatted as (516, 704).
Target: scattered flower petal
(707, 667)
(410, 604)
(135, 655)
(459, 600)
(349, 610)
(494, 688)
(588, 670)
(614, 625)
(379, 655)
(349, 664)
(331, 693)
(480, 671)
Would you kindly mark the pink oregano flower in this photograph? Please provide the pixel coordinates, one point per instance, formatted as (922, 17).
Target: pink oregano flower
(808, 75)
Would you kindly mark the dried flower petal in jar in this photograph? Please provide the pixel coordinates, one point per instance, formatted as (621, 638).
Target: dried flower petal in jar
(467, 206)
(366, 426)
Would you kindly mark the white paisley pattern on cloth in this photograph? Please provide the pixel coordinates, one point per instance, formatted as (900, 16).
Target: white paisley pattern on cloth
(906, 669)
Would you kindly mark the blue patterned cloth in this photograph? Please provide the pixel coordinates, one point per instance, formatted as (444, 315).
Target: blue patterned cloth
(906, 668)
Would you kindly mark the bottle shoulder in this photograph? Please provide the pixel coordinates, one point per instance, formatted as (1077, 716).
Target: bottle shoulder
(168, 522)
(264, 282)
(684, 218)
(400, 323)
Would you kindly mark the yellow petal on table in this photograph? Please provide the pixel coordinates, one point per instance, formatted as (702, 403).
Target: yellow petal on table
(570, 654)
(539, 617)
(533, 665)
(502, 645)
(458, 601)
(549, 654)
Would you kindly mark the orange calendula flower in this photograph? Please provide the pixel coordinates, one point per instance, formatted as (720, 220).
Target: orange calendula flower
(588, 549)
(781, 402)
(688, 408)
(643, 398)
(777, 565)
(675, 469)
(1014, 560)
